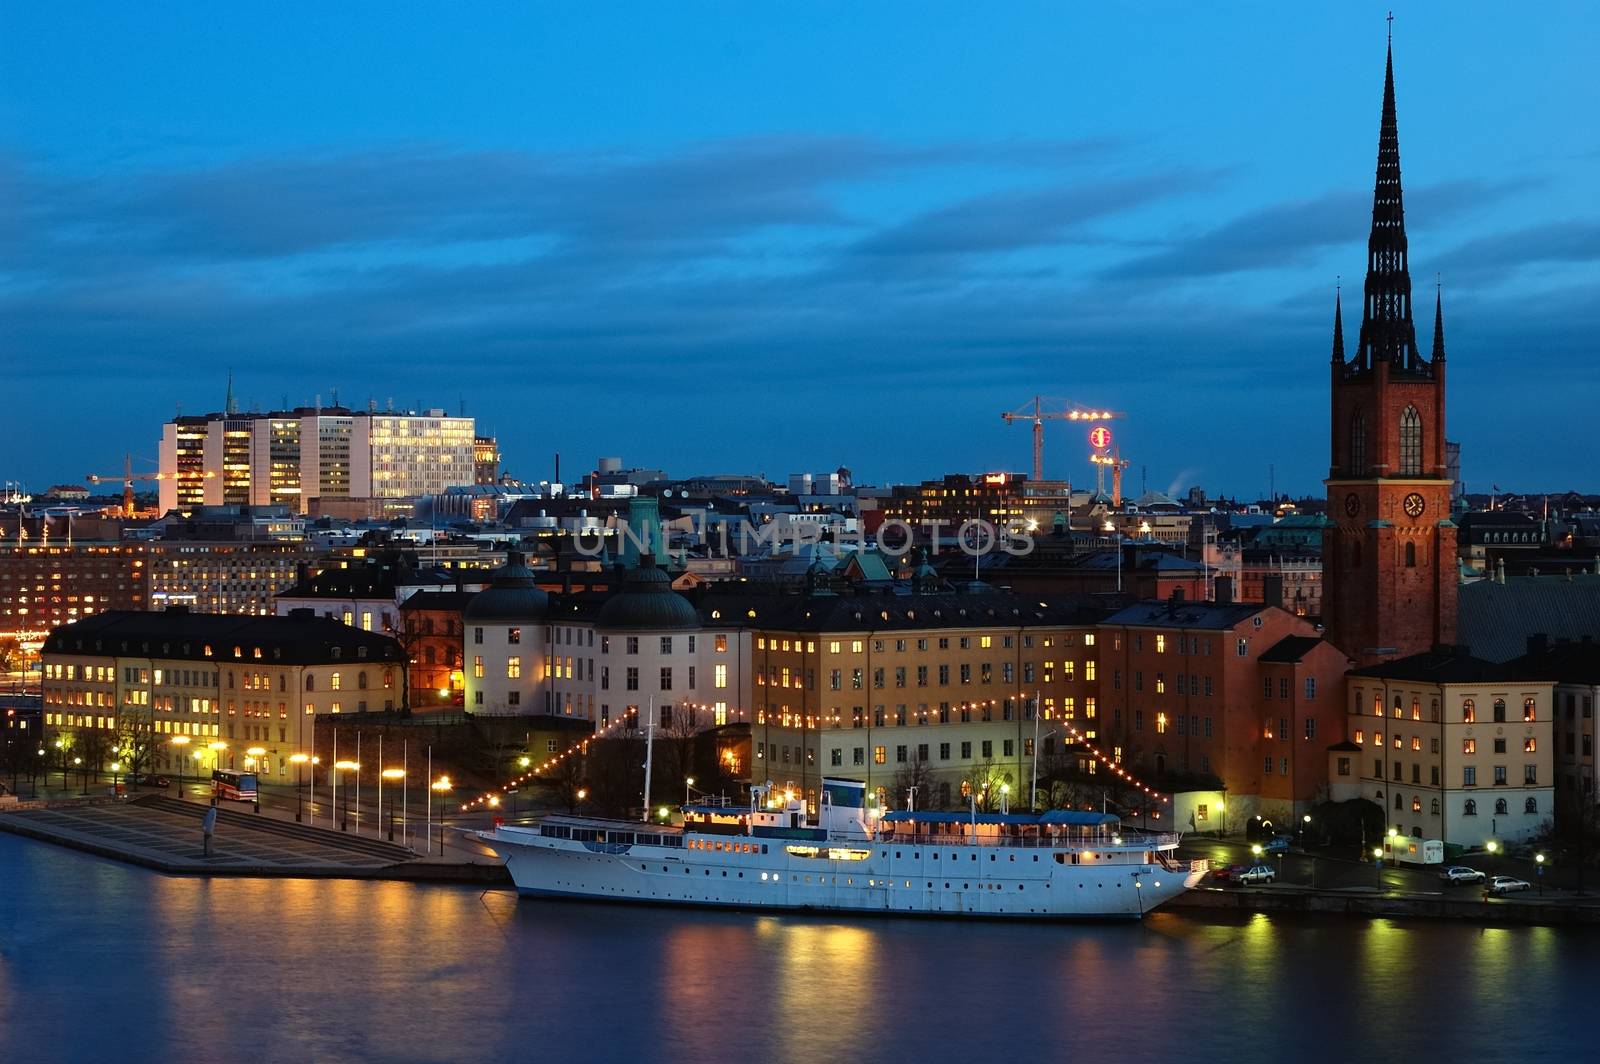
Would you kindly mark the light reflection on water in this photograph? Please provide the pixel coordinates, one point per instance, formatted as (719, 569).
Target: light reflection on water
(103, 962)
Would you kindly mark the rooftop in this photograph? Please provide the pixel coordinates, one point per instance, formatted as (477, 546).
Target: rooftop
(299, 639)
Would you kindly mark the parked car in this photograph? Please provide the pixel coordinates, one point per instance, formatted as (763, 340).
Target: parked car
(1502, 885)
(148, 779)
(1258, 874)
(1462, 874)
(1228, 873)
(1278, 844)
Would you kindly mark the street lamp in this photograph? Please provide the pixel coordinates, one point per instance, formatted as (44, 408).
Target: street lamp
(393, 775)
(1539, 860)
(344, 766)
(180, 741)
(1005, 798)
(441, 787)
(116, 770)
(688, 789)
(299, 762)
(82, 775)
(61, 745)
(252, 760)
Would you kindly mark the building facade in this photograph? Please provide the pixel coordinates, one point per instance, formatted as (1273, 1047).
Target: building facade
(123, 685)
(1451, 746)
(292, 457)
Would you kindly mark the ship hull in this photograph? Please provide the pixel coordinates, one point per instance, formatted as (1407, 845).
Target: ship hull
(902, 879)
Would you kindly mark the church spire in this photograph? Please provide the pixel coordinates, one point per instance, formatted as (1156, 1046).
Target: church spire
(1438, 323)
(1338, 329)
(1387, 331)
(230, 406)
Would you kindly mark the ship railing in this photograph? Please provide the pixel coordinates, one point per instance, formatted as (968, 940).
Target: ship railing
(1127, 842)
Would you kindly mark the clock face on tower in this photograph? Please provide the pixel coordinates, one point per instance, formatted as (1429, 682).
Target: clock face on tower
(1414, 505)
(1352, 504)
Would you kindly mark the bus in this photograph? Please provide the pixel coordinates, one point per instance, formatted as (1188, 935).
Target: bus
(236, 786)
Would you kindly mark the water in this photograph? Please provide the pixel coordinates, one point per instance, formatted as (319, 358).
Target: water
(102, 962)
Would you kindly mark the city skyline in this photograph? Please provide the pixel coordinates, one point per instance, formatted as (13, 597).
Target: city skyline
(967, 243)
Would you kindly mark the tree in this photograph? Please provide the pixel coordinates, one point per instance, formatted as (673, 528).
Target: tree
(917, 775)
(12, 657)
(568, 778)
(1574, 835)
(135, 741)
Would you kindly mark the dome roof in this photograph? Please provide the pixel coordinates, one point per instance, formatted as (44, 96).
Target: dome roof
(647, 601)
(513, 594)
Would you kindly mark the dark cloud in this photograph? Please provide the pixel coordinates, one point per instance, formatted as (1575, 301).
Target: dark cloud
(1294, 233)
(1497, 257)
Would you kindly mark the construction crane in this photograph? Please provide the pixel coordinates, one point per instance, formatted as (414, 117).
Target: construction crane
(1067, 411)
(128, 477)
(1117, 464)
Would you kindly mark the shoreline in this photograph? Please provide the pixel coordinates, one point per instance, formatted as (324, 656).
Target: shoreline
(1197, 902)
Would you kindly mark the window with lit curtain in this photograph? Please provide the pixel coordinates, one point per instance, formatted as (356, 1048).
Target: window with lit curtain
(1410, 442)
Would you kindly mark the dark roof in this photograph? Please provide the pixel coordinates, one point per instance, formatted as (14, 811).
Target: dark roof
(1161, 613)
(1496, 619)
(647, 601)
(299, 639)
(513, 594)
(1575, 663)
(1290, 649)
(448, 601)
(892, 610)
(1441, 665)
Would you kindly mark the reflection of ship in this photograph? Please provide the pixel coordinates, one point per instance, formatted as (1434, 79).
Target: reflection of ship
(769, 856)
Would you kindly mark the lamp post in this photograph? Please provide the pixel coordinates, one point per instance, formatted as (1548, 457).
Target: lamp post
(253, 761)
(315, 761)
(344, 815)
(441, 787)
(116, 770)
(1538, 859)
(688, 789)
(179, 742)
(61, 745)
(1005, 798)
(393, 775)
(299, 762)
(82, 775)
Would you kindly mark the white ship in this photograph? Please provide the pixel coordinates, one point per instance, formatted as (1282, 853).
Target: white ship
(1059, 864)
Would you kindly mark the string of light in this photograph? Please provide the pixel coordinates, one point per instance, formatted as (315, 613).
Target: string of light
(1115, 768)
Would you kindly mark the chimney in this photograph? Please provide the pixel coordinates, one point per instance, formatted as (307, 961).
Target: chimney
(1272, 590)
(1224, 591)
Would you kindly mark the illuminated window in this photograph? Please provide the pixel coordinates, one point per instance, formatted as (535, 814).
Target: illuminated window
(1161, 722)
(1088, 669)
(1469, 746)
(1161, 644)
(1528, 710)
(477, 666)
(513, 667)
(334, 682)
(1410, 442)
(722, 675)
(1469, 712)
(1529, 745)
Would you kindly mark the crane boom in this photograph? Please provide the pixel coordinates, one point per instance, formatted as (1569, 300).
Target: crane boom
(1037, 413)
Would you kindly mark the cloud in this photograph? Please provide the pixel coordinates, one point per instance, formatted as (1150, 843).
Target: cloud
(1294, 232)
(1497, 256)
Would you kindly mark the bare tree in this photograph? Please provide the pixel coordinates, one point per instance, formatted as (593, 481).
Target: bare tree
(135, 741)
(916, 775)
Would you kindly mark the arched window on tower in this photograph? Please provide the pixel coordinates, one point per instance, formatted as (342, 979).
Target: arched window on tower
(1410, 442)
(1411, 555)
(1358, 444)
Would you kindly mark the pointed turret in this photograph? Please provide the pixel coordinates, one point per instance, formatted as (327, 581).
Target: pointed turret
(230, 405)
(1438, 324)
(1338, 331)
(1387, 332)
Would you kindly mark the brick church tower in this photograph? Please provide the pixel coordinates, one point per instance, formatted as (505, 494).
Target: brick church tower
(1389, 553)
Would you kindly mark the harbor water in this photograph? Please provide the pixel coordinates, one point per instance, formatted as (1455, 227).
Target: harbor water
(104, 962)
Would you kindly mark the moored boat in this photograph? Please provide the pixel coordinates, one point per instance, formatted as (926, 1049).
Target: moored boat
(770, 855)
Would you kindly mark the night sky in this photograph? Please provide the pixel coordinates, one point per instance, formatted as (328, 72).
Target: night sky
(752, 237)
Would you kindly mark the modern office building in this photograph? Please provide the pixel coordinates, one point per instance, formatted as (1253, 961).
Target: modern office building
(294, 457)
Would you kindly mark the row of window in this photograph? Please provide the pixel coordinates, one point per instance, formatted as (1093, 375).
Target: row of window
(574, 636)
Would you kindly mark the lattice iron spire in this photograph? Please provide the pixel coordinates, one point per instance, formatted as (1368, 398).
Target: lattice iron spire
(1387, 331)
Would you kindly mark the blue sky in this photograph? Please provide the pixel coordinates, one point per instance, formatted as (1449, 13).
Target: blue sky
(762, 238)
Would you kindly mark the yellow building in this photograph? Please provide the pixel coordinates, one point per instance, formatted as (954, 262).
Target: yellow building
(1451, 746)
(935, 690)
(123, 685)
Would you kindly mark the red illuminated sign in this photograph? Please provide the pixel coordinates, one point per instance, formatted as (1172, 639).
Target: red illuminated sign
(1100, 437)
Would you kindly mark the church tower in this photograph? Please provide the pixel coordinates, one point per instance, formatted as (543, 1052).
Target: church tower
(1389, 552)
